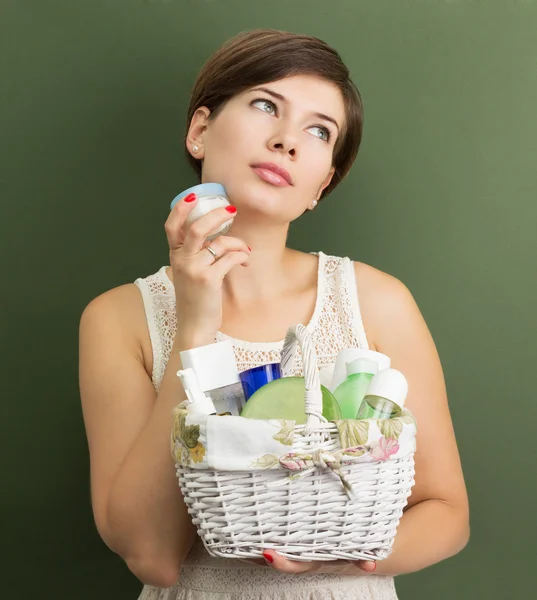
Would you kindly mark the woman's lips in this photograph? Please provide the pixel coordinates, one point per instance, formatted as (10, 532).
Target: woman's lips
(271, 175)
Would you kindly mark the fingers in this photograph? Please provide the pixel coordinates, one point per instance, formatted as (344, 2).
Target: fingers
(224, 265)
(276, 561)
(255, 561)
(193, 237)
(221, 246)
(365, 565)
(188, 244)
(197, 232)
(175, 221)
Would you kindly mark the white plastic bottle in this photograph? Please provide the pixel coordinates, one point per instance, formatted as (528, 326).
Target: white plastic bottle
(385, 396)
(339, 372)
(198, 402)
(217, 374)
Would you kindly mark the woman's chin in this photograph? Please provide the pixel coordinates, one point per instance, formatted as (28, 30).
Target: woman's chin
(251, 198)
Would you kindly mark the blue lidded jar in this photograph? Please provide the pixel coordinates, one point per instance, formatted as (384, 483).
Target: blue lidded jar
(257, 377)
(210, 196)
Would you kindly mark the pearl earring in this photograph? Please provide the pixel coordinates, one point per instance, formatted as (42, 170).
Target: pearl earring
(195, 148)
(314, 204)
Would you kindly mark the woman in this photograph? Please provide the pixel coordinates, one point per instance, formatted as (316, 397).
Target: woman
(275, 118)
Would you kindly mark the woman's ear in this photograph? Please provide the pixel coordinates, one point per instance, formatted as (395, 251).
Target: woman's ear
(196, 132)
(325, 183)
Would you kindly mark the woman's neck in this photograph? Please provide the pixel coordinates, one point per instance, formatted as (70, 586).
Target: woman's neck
(267, 273)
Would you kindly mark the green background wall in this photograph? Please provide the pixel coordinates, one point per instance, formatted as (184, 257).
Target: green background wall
(443, 196)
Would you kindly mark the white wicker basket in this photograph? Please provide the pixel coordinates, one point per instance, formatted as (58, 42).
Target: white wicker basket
(239, 514)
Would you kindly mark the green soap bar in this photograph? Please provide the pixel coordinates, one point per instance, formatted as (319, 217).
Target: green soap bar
(284, 399)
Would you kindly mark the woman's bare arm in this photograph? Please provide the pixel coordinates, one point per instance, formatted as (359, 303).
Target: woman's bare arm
(435, 524)
(137, 504)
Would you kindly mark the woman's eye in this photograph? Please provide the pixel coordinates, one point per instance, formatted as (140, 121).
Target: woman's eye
(266, 106)
(321, 132)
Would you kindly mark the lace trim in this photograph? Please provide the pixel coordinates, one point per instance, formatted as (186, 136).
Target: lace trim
(353, 295)
(152, 325)
(263, 583)
(335, 324)
(159, 305)
(276, 346)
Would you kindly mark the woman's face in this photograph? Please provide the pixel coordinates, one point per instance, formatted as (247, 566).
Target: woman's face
(272, 146)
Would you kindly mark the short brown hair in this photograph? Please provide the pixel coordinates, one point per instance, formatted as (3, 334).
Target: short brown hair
(263, 55)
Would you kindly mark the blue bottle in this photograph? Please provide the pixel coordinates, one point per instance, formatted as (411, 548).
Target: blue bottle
(257, 377)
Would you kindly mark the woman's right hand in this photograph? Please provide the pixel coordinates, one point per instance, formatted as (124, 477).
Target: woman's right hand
(197, 275)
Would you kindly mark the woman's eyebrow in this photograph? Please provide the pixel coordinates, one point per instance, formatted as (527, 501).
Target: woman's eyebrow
(283, 99)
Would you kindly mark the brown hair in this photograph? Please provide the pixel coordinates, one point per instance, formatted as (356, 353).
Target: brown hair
(263, 55)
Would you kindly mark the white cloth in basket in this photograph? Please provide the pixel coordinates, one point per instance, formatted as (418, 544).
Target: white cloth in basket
(227, 443)
(240, 442)
(335, 324)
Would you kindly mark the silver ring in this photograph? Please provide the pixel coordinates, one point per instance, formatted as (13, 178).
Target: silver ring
(212, 252)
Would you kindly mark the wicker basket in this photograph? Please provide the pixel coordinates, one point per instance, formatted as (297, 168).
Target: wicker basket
(350, 510)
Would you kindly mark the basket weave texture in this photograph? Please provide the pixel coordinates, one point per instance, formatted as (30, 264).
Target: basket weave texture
(319, 491)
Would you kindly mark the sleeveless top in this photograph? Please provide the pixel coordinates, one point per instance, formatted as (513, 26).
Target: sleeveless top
(336, 324)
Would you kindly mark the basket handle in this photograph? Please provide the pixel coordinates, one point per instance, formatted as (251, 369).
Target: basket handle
(313, 399)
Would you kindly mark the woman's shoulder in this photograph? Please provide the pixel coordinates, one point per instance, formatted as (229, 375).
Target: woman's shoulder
(378, 290)
(119, 312)
(384, 300)
(121, 300)
(126, 301)
(375, 281)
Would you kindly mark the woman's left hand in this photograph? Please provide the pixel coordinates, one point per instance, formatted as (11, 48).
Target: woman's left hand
(346, 567)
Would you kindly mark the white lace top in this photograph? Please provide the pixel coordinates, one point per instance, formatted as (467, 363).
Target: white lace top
(336, 324)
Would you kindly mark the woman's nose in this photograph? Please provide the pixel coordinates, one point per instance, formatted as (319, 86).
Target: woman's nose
(285, 143)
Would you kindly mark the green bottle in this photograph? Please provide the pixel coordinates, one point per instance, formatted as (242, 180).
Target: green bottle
(350, 393)
(385, 397)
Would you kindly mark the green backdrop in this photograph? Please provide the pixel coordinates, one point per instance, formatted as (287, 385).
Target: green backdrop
(442, 196)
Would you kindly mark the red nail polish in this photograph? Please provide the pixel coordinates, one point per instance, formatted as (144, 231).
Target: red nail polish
(190, 198)
(268, 557)
(231, 209)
